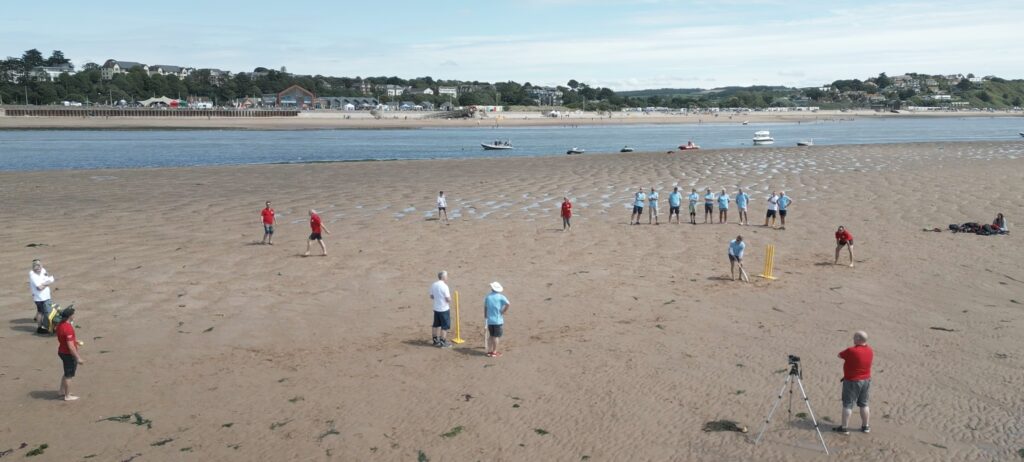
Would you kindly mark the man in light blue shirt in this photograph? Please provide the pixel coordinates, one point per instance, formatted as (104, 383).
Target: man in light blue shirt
(495, 307)
(675, 199)
(709, 206)
(742, 199)
(638, 206)
(652, 199)
(736, 248)
(784, 202)
(723, 207)
(694, 198)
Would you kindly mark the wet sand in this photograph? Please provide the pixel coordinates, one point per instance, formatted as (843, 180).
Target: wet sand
(621, 341)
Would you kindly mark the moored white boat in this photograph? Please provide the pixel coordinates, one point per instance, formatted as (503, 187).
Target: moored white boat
(497, 145)
(626, 149)
(763, 137)
(576, 150)
(805, 143)
(689, 146)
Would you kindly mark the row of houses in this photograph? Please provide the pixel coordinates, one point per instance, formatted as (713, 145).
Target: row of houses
(296, 97)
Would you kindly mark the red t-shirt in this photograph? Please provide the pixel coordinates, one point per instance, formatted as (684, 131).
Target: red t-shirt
(857, 365)
(268, 216)
(567, 209)
(65, 336)
(314, 223)
(844, 235)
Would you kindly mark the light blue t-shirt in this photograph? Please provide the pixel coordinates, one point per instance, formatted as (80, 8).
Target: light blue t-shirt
(674, 199)
(653, 199)
(694, 197)
(784, 202)
(723, 201)
(640, 197)
(736, 248)
(741, 200)
(709, 199)
(493, 303)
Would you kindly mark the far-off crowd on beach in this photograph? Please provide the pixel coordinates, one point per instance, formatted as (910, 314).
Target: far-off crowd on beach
(595, 307)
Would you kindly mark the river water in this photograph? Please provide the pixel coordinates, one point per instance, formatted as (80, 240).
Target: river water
(22, 150)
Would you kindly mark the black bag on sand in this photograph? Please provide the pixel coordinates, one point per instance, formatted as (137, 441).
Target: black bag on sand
(954, 228)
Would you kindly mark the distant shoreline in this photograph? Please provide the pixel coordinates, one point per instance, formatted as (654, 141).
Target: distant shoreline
(363, 121)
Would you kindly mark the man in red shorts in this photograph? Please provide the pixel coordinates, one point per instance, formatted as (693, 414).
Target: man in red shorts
(67, 349)
(856, 381)
(268, 224)
(317, 227)
(844, 239)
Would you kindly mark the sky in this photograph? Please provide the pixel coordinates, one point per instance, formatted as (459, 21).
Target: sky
(623, 45)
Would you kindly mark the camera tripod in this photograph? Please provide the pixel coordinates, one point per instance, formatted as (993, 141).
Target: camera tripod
(793, 377)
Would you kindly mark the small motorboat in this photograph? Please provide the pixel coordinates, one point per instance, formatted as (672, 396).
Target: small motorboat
(746, 122)
(1021, 133)
(497, 145)
(805, 143)
(763, 137)
(626, 149)
(576, 150)
(689, 146)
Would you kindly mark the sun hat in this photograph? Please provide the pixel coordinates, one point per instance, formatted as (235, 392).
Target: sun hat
(495, 286)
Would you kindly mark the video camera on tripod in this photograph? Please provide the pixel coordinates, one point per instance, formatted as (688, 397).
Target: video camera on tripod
(794, 378)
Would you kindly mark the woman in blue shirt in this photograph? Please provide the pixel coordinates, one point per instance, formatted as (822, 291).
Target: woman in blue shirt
(723, 207)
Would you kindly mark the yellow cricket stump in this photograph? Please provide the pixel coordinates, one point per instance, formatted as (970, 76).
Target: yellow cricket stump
(458, 330)
(769, 262)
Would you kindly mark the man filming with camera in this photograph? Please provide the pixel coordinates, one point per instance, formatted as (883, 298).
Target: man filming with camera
(856, 381)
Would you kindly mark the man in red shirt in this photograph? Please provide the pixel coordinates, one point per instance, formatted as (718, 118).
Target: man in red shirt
(856, 381)
(844, 239)
(67, 349)
(317, 227)
(566, 213)
(268, 224)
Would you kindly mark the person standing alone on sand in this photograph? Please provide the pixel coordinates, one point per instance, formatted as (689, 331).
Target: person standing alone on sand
(652, 214)
(844, 239)
(442, 207)
(736, 248)
(269, 220)
(856, 382)
(67, 349)
(39, 282)
(638, 206)
(742, 199)
(675, 199)
(316, 227)
(495, 307)
(442, 298)
(566, 213)
(773, 208)
(784, 202)
(693, 198)
(709, 206)
(723, 207)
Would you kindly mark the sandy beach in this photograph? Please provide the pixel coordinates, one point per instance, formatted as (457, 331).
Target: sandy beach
(408, 119)
(620, 344)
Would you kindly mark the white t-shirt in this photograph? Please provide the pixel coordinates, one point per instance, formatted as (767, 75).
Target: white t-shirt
(439, 290)
(773, 203)
(442, 202)
(35, 280)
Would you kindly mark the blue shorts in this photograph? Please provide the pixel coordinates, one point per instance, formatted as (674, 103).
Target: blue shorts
(443, 319)
(268, 229)
(495, 330)
(638, 209)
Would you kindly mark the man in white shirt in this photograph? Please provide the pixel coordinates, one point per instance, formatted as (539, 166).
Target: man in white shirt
(442, 207)
(773, 209)
(39, 282)
(442, 298)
